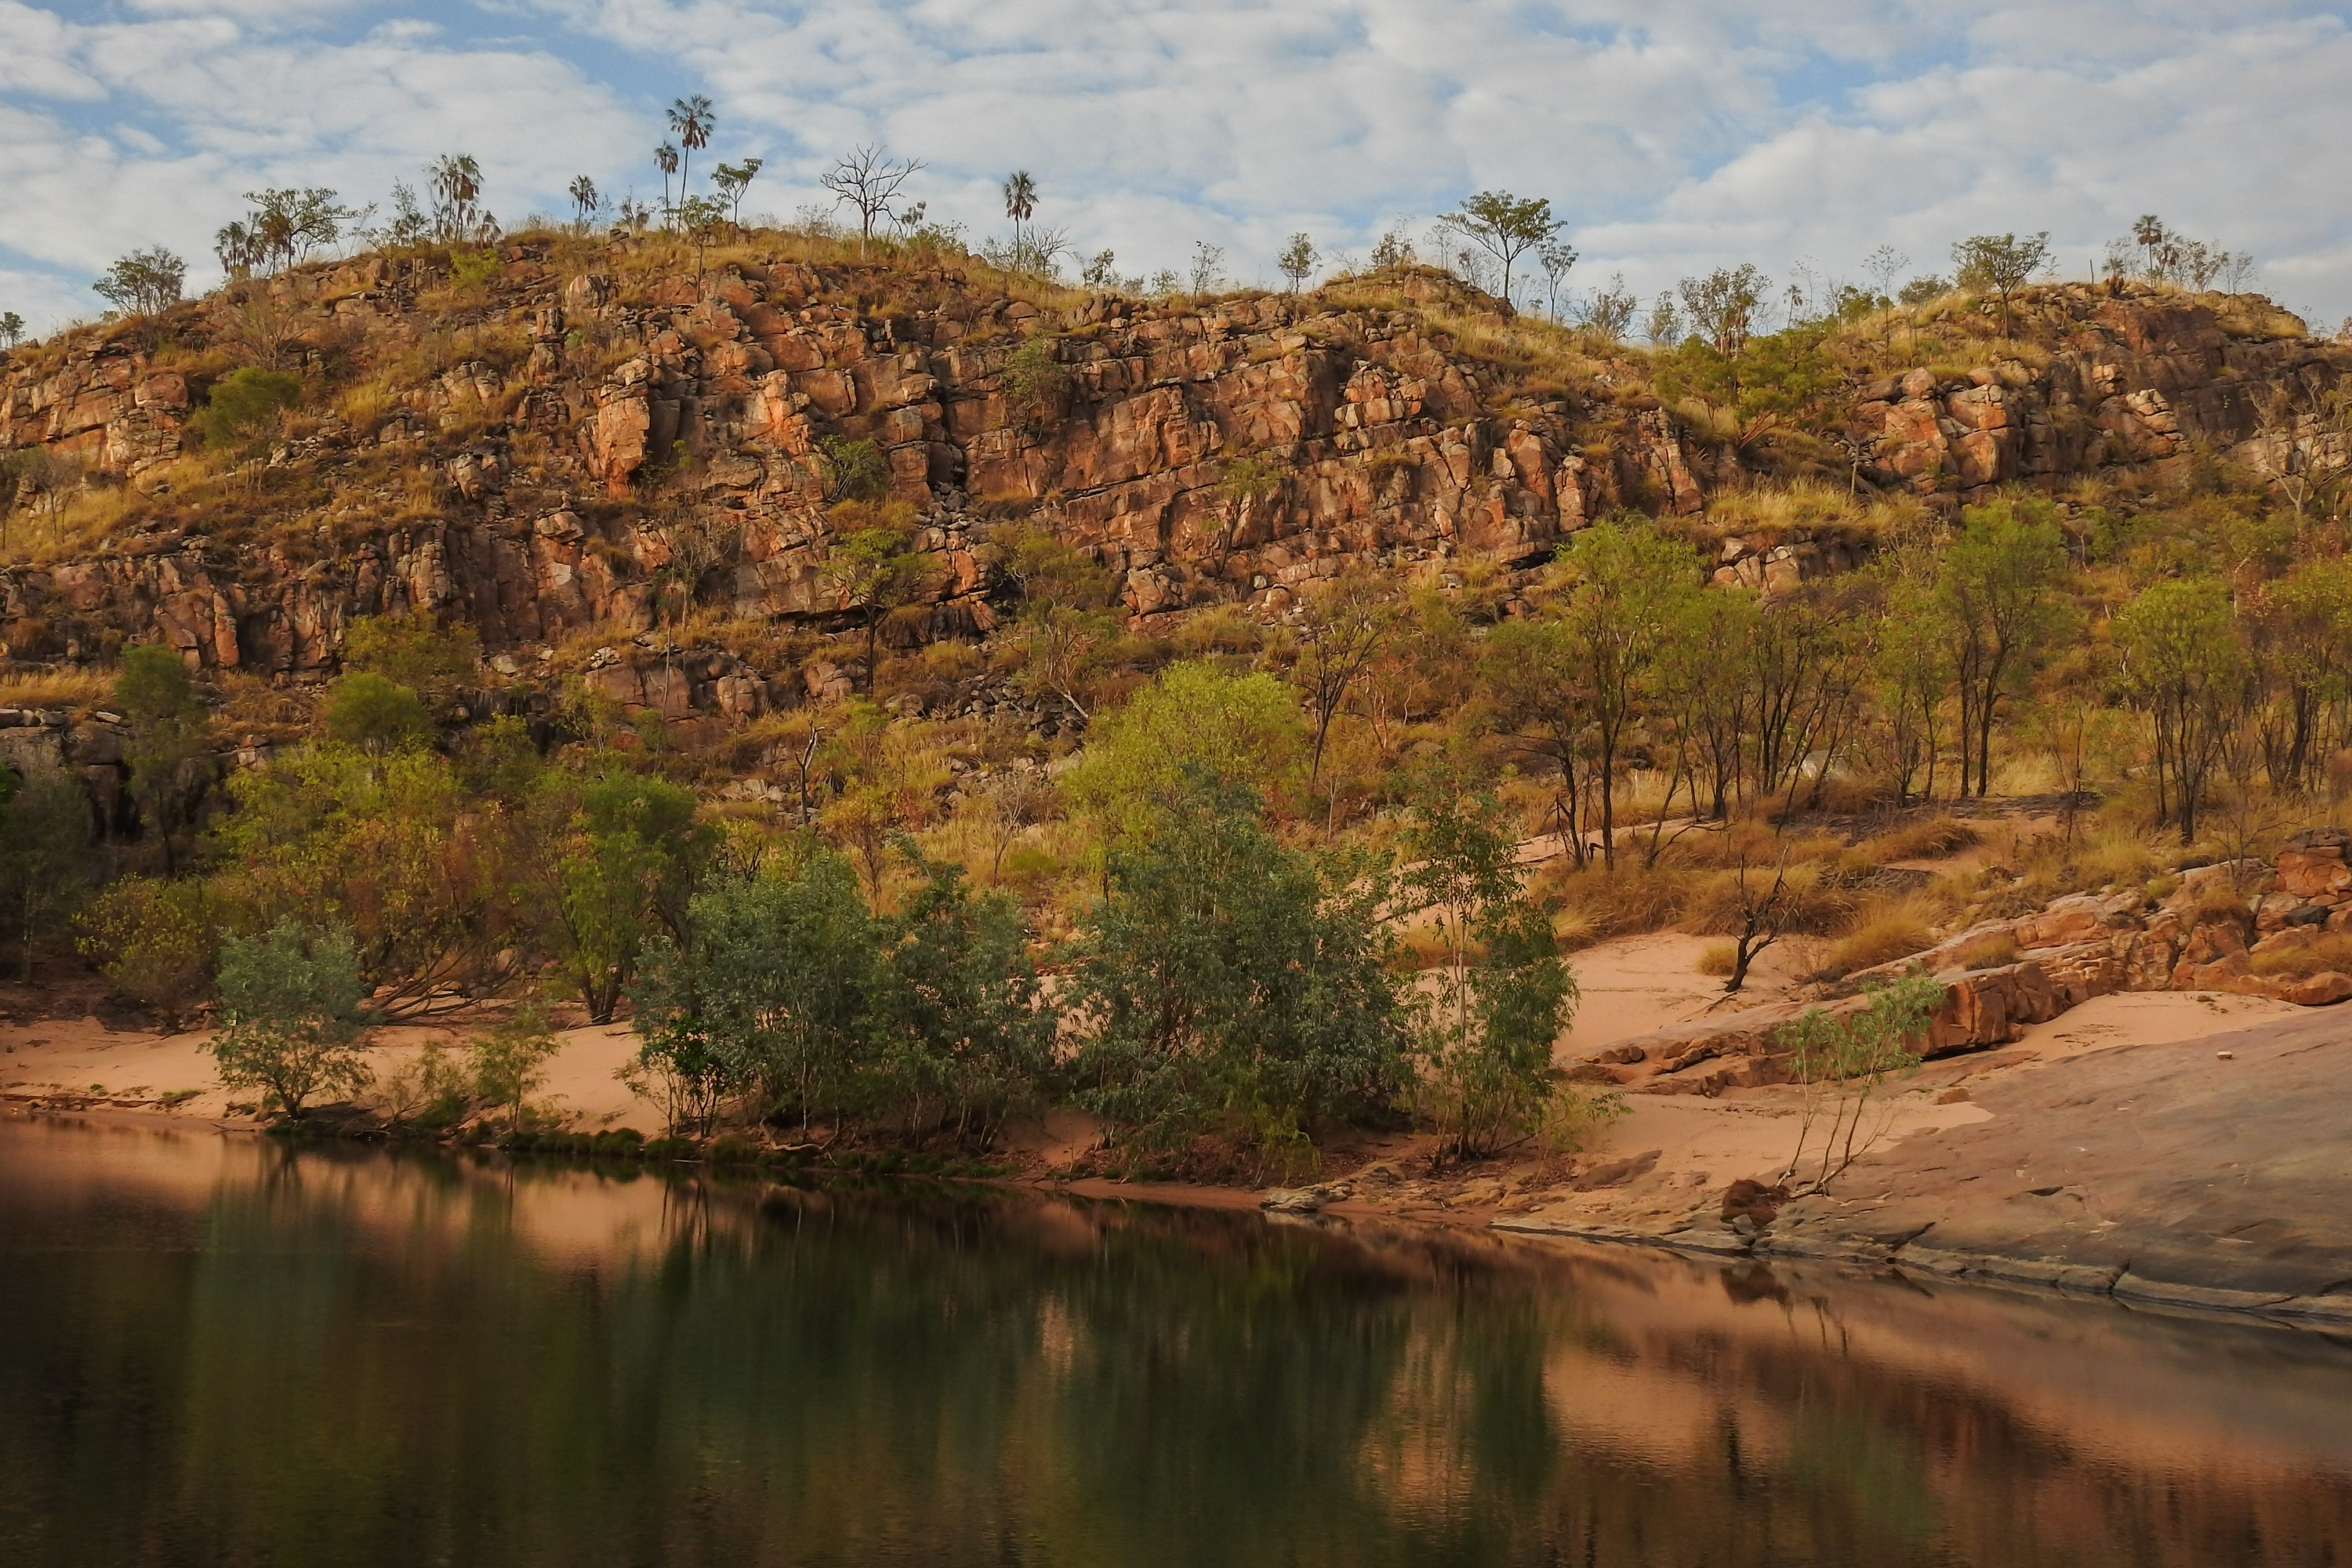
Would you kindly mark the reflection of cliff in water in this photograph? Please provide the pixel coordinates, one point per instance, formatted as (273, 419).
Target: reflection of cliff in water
(221, 1352)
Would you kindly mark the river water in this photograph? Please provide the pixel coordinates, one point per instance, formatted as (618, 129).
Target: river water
(219, 1350)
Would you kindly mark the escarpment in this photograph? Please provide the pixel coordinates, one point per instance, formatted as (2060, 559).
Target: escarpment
(591, 438)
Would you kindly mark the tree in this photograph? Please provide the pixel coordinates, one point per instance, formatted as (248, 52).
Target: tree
(617, 857)
(2002, 263)
(869, 179)
(456, 183)
(1194, 721)
(1995, 587)
(292, 1009)
(1207, 260)
(508, 1062)
(12, 327)
(769, 1000)
(1532, 687)
(1340, 629)
(282, 230)
(435, 661)
(2184, 664)
(143, 283)
(1665, 325)
(1722, 305)
(1841, 1060)
(1629, 582)
(166, 722)
(666, 160)
(1484, 1040)
(734, 180)
(959, 1035)
(1882, 265)
(693, 120)
(1609, 311)
(1297, 261)
(393, 847)
(1556, 260)
(585, 201)
(1225, 986)
(376, 714)
(155, 939)
(39, 471)
(1020, 205)
(875, 565)
(45, 840)
(2305, 430)
(1065, 623)
(1505, 226)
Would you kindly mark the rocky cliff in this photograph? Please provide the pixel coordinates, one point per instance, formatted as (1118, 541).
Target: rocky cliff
(547, 451)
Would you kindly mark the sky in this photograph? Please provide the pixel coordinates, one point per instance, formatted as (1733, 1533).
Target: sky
(1673, 136)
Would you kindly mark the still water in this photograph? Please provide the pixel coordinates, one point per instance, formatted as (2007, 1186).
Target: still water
(216, 1351)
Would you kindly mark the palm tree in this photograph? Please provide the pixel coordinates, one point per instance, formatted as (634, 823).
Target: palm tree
(692, 119)
(456, 187)
(1020, 202)
(666, 157)
(585, 200)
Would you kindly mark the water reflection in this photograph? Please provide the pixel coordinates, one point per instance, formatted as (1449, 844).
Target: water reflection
(219, 1352)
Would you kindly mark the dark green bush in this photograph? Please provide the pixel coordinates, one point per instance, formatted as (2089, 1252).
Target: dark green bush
(244, 404)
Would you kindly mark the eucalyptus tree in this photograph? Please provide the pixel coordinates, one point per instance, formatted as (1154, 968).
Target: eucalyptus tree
(457, 183)
(1505, 226)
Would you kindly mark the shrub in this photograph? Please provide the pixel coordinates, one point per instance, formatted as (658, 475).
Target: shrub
(372, 712)
(732, 1150)
(671, 1148)
(244, 404)
(291, 1004)
(154, 940)
(1227, 986)
(1717, 959)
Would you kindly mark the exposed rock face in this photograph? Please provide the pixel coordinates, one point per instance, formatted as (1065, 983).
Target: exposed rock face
(2138, 379)
(599, 437)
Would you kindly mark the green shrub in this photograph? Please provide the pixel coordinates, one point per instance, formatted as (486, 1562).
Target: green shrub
(672, 1149)
(244, 404)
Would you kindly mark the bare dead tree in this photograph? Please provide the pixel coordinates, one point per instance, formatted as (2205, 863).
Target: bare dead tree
(1763, 911)
(869, 179)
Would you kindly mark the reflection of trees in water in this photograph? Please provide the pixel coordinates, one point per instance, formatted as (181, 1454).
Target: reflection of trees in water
(348, 1359)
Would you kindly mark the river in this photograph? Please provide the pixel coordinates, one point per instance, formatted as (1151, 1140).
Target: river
(221, 1351)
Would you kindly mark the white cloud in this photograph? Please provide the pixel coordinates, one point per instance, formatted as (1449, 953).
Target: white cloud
(1675, 133)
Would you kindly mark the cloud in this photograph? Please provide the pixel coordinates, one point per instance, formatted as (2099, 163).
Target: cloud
(1675, 134)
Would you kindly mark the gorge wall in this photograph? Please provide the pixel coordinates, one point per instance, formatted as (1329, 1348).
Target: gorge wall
(542, 454)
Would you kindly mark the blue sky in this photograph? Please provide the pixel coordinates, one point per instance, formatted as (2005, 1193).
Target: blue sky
(1674, 135)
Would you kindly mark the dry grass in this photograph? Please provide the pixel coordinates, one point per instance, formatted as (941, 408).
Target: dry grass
(1600, 905)
(2321, 954)
(1877, 936)
(1930, 839)
(1991, 951)
(1718, 959)
(56, 688)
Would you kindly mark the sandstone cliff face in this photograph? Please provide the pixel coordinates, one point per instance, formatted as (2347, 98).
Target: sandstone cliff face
(2136, 379)
(634, 431)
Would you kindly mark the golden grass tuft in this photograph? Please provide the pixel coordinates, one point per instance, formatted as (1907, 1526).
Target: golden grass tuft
(1718, 959)
(56, 688)
(2331, 951)
(1878, 937)
(1930, 839)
